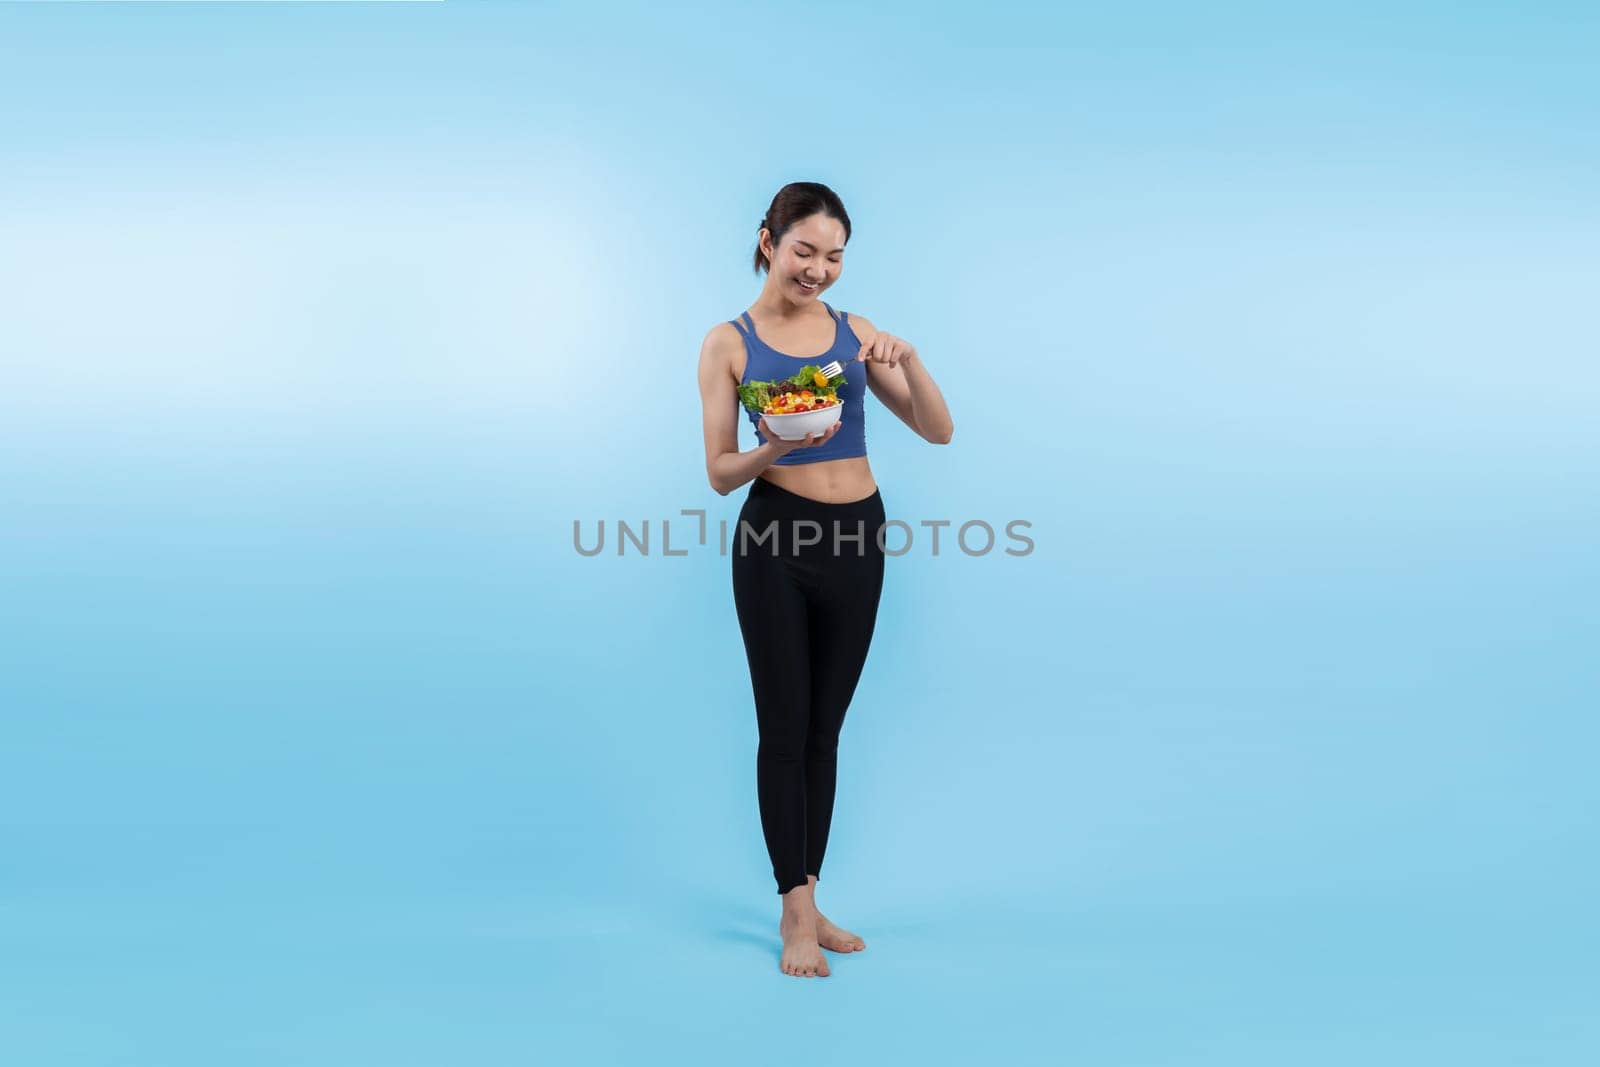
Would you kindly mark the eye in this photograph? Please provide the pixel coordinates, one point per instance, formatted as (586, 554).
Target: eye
(803, 255)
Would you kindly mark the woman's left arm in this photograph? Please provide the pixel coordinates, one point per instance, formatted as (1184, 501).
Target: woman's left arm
(896, 375)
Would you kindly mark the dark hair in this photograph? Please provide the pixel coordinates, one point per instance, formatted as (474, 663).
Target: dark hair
(796, 201)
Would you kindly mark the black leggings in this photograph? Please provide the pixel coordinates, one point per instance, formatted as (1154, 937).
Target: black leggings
(807, 613)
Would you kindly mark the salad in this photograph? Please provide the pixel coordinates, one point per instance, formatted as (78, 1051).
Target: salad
(808, 390)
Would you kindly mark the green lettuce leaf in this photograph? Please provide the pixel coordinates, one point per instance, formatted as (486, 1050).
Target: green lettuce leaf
(754, 395)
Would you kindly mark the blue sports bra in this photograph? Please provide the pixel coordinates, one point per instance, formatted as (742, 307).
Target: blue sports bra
(764, 363)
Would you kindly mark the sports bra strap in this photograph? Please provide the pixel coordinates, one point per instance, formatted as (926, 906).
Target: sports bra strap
(749, 330)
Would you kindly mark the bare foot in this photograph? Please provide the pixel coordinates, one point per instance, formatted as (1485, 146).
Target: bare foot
(837, 938)
(829, 936)
(802, 956)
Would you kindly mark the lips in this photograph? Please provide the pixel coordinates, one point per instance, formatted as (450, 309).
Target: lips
(808, 288)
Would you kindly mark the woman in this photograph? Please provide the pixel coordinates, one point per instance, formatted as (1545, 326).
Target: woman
(807, 594)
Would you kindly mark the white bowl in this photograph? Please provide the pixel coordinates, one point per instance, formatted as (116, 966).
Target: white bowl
(794, 427)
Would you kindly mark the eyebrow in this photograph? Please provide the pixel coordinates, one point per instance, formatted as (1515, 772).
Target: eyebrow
(813, 247)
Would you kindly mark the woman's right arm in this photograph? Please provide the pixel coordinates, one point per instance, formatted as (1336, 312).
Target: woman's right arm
(726, 467)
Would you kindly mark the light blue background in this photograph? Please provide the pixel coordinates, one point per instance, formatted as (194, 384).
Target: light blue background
(320, 324)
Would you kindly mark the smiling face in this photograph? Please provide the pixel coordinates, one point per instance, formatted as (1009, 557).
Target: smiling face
(808, 259)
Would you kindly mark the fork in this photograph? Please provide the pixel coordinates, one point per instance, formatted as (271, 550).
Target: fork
(833, 370)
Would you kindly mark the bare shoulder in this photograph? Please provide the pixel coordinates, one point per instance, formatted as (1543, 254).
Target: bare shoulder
(722, 355)
(721, 342)
(864, 330)
(721, 338)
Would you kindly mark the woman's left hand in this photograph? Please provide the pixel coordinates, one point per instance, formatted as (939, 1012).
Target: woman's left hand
(886, 348)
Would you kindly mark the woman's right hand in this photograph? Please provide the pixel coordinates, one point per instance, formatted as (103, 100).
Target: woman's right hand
(811, 440)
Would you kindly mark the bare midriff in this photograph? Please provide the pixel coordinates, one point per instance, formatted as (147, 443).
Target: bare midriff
(832, 481)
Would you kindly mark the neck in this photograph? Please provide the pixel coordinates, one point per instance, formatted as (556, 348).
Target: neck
(774, 305)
